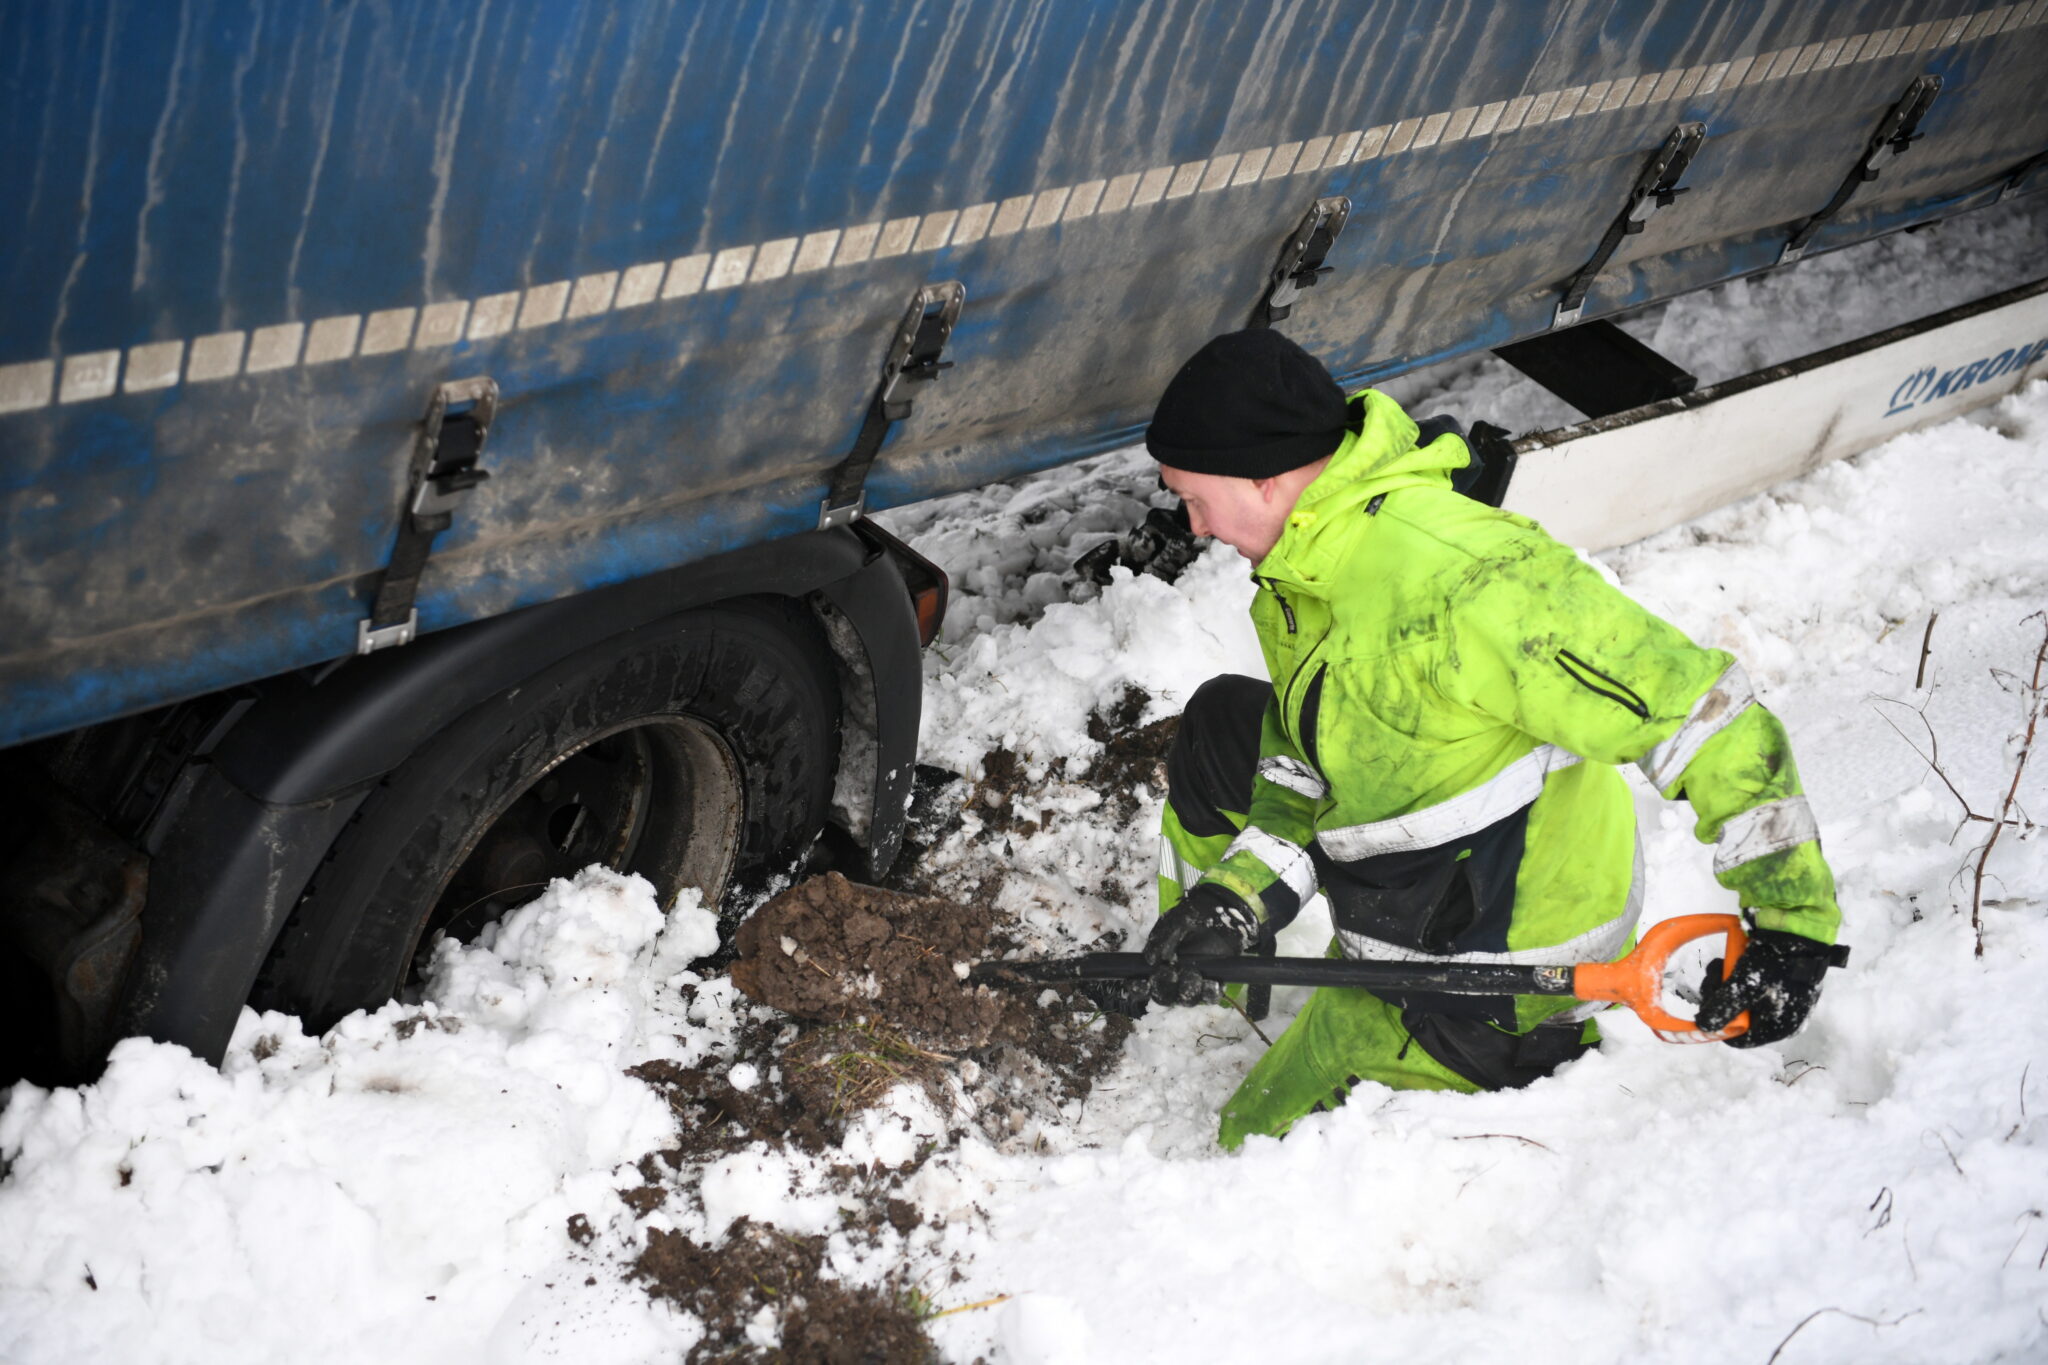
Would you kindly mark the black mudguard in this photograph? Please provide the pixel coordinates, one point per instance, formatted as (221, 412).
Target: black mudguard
(247, 825)
(875, 603)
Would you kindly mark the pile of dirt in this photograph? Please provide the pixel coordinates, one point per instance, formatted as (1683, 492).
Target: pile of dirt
(834, 951)
(821, 1077)
(1007, 798)
(867, 988)
(886, 973)
(868, 992)
(754, 1266)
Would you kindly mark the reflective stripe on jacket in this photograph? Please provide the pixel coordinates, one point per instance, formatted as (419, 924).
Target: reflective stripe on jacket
(1453, 693)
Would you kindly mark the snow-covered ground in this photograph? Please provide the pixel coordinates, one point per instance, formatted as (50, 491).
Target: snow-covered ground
(1877, 1188)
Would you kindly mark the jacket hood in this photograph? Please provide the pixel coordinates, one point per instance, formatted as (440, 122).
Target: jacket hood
(1380, 457)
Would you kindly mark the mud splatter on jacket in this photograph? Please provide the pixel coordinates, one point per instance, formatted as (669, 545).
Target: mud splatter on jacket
(1453, 690)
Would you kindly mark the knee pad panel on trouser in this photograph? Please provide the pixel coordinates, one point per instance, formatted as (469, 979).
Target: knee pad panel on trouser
(1495, 1059)
(1215, 754)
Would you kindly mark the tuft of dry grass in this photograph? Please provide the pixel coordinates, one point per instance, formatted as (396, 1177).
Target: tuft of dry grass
(859, 1062)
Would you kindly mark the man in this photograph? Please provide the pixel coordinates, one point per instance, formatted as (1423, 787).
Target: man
(1450, 694)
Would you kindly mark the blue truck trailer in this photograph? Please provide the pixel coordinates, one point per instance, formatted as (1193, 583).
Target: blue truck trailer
(435, 436)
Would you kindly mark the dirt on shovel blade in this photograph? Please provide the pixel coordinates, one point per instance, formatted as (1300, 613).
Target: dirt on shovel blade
(832, 950)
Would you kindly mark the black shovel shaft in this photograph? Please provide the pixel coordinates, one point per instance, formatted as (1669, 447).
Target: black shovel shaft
(1451, 978)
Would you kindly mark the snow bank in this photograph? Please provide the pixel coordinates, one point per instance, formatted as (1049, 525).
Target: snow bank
(396, 1190)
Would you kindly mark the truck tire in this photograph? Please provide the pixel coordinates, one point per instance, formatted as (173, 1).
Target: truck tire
(698, 751)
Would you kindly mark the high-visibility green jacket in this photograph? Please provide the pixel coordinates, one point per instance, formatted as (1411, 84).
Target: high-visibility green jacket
(1453, 690)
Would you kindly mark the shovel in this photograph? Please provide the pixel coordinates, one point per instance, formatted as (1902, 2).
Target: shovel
(1636, 980)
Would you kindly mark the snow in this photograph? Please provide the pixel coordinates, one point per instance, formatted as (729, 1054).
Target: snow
(396, 1189)
(401, 1187)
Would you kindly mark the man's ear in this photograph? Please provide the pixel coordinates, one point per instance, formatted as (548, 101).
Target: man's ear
(1267, 488)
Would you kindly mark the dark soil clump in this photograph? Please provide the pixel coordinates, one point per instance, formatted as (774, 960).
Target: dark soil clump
(1132, 756)
(713, 1118)
(820, 1320)
(834, 951)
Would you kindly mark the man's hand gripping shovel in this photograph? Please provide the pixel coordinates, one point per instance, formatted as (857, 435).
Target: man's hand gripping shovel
(1636, 980)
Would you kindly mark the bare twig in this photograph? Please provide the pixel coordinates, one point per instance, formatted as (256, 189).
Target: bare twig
(2030, 1213)
(1805, 1069)
(1946, 1148)
(2034, 708)
(2010, 811)
(1884, 1215)
(1932, 758)
(970, 1307)
(1818, 1312)
(1926, 643)
(1472, 1177)
(1246, 1016)
(1474, 1137)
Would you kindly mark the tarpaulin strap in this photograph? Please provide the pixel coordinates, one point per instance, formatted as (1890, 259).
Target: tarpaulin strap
(1656, 187)
(849, 480)
(913, 358)
(400, 585)
(1896, 131)
(444, 470)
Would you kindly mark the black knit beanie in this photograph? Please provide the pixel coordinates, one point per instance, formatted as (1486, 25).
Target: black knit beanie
(1251, 405)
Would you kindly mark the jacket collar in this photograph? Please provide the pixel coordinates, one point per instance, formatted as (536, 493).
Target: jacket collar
(1379, 457)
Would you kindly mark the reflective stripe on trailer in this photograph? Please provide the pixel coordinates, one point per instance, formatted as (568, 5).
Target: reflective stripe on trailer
(156, 365)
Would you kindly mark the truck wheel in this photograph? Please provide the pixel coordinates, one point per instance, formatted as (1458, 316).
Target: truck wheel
(697, 751)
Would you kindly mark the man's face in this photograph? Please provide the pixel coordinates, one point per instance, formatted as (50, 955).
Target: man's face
(1248, 515)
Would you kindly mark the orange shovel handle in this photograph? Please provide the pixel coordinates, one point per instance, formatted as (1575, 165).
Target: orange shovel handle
(1638, 979)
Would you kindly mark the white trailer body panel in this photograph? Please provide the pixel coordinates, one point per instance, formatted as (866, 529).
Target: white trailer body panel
(1616, 479)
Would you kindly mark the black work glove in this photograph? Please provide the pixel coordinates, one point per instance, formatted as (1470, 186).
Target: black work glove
(1210, 921)
(1129, 998)
(1776, 979)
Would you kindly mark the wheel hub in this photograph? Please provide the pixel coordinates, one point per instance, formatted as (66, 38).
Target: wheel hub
(657, 797)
